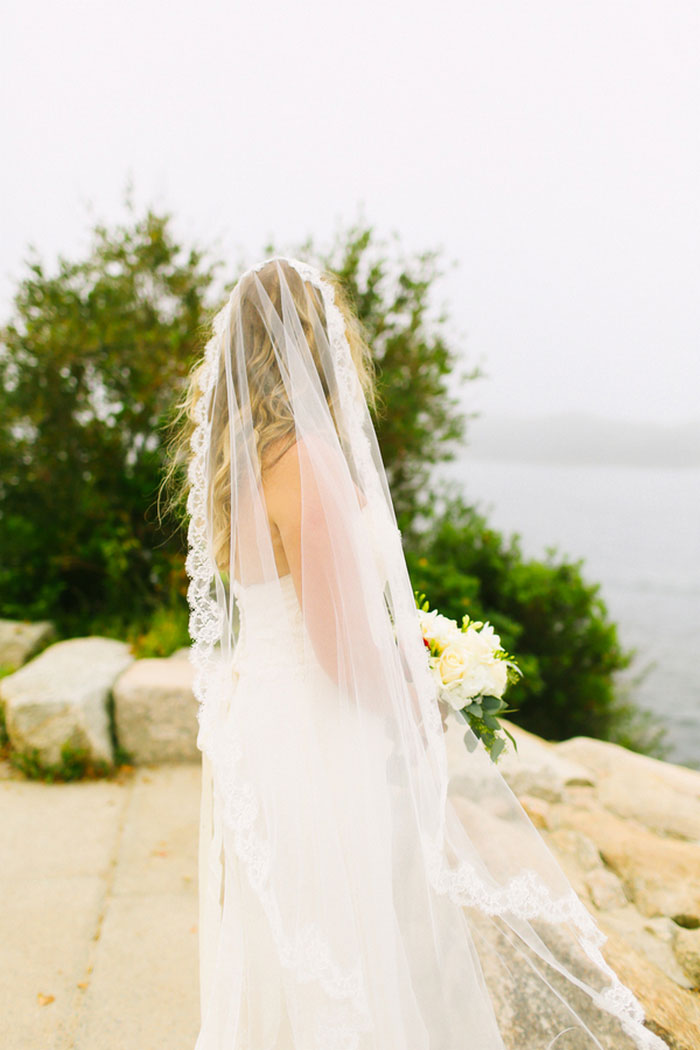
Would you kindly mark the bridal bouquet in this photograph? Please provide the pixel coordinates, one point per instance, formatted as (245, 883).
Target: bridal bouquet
(472, 670)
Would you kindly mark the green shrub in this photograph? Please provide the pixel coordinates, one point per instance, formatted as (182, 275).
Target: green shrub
(74, 764)
(166, 631)
(548, 616)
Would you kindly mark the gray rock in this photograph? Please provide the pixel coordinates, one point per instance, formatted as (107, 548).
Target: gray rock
(155, 711)
(61, 696)
(530, 1015)
(21, 639)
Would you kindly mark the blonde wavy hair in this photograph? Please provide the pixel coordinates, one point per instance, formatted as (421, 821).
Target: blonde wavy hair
(272, 416)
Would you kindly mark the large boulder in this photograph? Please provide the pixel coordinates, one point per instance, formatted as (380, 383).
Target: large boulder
(662, 796)
(660, 875)
(21, 639)
(535, 769)
(672, 1012)
(605, 758)
(61, 697)
(155, 711)
(686, 945)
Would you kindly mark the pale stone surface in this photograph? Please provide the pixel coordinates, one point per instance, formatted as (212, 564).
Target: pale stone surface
(536, 768)
(180, 654)
(604, 758)
(661, 876)
(21, 639)
(155, 711)
(122, 898)
(673, 1013)
(686, 946)
(606, 889)
(61, 697)
(158, 849)
(663, 797)
(99, 910)
(66, 832)
(652, 937)
(648, 798)
(46, 928)
(537, 809)
(143, 989)
(580, 846)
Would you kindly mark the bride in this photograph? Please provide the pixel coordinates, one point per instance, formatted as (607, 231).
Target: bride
(354, 895)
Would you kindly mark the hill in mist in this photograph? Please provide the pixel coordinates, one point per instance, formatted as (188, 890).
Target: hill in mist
(582, 438)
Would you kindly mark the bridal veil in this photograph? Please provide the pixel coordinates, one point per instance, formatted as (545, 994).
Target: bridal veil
(394, 904)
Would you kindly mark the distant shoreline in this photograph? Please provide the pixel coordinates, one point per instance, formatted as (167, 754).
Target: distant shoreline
(578, 439)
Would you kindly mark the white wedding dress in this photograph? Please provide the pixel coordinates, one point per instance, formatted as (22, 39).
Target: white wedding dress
(297, 761)
(262, 989)
(355, 893)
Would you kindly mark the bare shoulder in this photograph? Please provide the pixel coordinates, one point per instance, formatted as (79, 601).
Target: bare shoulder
(311, 457)
(281, 481)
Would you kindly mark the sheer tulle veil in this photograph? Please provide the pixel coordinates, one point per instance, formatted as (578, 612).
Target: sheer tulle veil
(409, 906)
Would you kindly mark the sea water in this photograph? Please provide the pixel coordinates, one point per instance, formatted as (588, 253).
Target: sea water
(638, 533)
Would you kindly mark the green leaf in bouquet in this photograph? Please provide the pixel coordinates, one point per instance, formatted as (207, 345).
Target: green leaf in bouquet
(492, 722)
(474, 710)
(510, 737)
(491, 703)
(470, 741)
(498, 745)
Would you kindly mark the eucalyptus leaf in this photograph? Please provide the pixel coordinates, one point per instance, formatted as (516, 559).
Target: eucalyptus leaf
(497, 747)
(470, 742)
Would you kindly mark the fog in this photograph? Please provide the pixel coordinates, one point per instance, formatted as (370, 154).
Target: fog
(550, 151)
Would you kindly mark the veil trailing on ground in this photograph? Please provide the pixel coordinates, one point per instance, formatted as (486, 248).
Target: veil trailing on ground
(409, 908)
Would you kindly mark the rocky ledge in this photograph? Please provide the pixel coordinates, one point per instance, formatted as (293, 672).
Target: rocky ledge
(625, 828)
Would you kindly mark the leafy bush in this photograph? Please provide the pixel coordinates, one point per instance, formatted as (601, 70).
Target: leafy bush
(92, 363)
(88, 365)
(166, 631)
(552, 620)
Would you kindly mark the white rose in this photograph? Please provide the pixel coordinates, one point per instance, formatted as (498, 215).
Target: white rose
(438, 629)
(471, 659)
(451, 663)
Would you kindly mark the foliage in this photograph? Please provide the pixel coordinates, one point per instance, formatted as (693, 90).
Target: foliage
(74, 764)
(166, 631)
(91, 364)
(552, 620)
(4, 738)
(88, 364)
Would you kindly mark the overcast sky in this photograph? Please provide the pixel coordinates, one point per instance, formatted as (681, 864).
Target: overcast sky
(551, 148)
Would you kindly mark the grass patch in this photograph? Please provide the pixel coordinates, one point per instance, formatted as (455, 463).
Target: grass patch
(75, 764)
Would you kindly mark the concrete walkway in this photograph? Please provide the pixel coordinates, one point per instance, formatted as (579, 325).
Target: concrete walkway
(98, 912)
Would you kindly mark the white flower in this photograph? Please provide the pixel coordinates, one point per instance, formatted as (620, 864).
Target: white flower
(468, 666)
(452, 663)
(438, 629)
